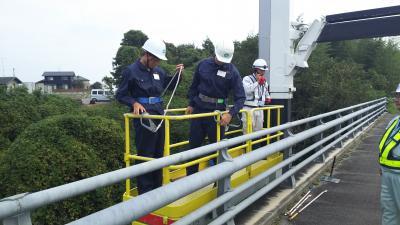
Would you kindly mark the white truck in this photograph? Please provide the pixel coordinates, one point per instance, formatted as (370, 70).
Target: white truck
(100, 95)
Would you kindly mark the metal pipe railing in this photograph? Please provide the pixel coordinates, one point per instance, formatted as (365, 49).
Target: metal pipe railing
(34, 200)
(141, 205)
(237, 191)
(248, 201)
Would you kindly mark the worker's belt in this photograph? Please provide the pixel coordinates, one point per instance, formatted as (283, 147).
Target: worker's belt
(253, 104)
(149, 100)
(205, 98)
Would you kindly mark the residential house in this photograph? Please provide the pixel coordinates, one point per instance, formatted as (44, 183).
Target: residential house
(62, 81)
(10, 82)
(58, 80)
(40, 86)
(85, 82)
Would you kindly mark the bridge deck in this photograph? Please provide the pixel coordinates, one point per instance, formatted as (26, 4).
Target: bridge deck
(353, 201)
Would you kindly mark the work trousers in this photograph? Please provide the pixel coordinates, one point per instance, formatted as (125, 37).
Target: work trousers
(390, 197)
(199, 129)
(149, 144)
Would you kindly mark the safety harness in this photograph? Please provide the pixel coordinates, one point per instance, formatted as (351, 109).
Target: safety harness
(153, 100)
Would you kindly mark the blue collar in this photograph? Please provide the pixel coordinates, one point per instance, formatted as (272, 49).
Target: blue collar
(223, 67)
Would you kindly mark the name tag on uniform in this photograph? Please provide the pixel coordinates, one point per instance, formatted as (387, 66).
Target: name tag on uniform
(221, 73)
(156, 76)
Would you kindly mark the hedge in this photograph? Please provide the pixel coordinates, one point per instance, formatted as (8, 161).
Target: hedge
(59, 150)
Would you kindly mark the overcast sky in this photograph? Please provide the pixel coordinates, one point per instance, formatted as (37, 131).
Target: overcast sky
(84, 35)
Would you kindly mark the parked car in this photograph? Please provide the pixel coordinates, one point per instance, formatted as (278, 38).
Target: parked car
(99, 95)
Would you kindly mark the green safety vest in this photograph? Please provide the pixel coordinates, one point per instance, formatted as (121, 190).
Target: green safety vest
(388, 142)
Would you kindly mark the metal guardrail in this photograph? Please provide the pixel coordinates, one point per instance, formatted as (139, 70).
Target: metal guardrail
(357, 116)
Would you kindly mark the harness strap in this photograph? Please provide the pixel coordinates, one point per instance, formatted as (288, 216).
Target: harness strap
(149, 100)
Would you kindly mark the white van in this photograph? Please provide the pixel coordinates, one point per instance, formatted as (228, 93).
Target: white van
(99, 95)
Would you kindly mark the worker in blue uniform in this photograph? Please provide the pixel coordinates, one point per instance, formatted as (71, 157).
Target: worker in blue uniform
(142, 84)
(389, 159)
(213, 80)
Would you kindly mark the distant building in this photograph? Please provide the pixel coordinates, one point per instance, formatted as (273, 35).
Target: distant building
(40, 86)
(62, 81)
(10, 82)
(58, 80)
(31, 86)
(85, 82)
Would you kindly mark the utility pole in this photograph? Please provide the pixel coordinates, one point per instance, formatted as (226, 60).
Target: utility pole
(13, 72)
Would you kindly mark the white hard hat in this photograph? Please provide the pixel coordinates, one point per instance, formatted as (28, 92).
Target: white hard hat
(155, 47)
(260, 64)
(224, 51)
(398, 89)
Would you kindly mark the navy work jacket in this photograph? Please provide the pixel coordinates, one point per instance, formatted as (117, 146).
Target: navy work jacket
(140, 81)
(206, 81)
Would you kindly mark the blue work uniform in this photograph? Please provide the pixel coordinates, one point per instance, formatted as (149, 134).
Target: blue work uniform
(139, 83)
(212, 82)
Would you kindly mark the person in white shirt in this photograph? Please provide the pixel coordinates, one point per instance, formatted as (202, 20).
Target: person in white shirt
(257, 94)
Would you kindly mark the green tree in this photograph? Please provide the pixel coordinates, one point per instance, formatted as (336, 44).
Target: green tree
(134, 38)
(126, 55)
(342, 50)
(330, 84)
(208, 47)
(187, 54)
(96, 85)
(245, 53)
(379, 59)
(109, 82)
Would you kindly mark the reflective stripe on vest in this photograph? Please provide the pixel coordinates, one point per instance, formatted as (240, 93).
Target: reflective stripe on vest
(387, 144)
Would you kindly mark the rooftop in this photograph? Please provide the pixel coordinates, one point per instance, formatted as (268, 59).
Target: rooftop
(59, 73)
(6, 80)
(81, 78)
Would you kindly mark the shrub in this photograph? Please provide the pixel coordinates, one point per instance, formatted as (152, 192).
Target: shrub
(19, 109)
(60, 150)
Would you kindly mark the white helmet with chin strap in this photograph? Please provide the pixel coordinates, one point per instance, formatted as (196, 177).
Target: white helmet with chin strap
(260, 64)
(224, 51)
(156, 47)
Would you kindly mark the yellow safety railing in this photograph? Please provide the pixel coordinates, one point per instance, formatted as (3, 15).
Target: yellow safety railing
(247, 147)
